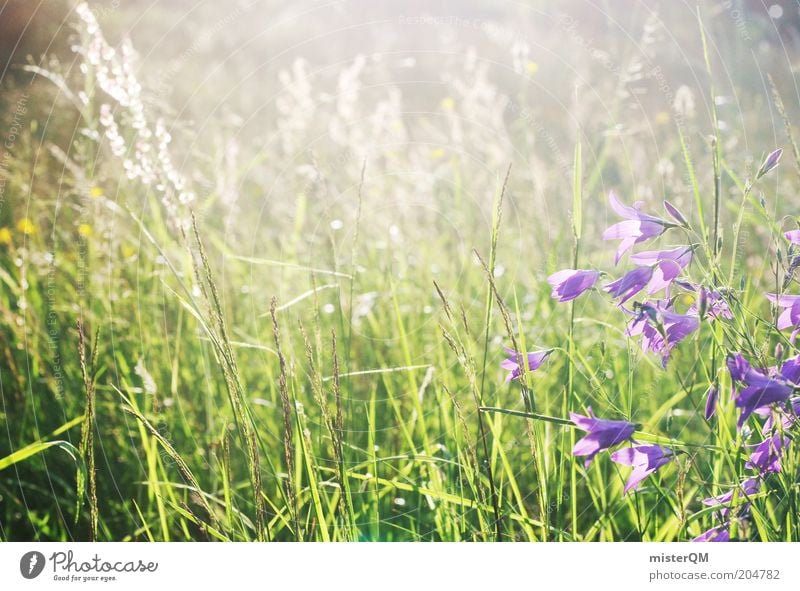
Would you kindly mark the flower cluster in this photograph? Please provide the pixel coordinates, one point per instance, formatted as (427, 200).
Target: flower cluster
(655, 321)
(766, 395)
(603, 434)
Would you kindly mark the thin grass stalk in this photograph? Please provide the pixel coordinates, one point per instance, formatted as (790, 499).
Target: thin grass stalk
(715, 152)
(787, 124)
(288, 430)
(345, 497)
(498, 210)
(527, 397)
(472, 454)
(354, 264)
(468, 365)
(180, 463)
(87, 429)
(236, 395)
(577, 218)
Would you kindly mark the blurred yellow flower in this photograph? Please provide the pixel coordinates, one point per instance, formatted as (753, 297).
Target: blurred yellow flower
(437, 153)
(96, 192)
(85, 230)
(448, 103)
(532, 67)
(128, 251)
(5, 236)
(662, 118)
(26, 226)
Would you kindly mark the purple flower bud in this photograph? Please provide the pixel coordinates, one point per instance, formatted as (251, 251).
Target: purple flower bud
(711, 401)
(675, 213)
(778, 352)
(771, 162)
(702, 303)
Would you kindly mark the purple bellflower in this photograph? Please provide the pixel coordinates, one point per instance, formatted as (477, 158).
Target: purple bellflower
(568, 284)
(793, 236)
(630, 284)
(637, 226)
(767, 456)
(760, 389)
(790, 317)
(601, 434)
(645, 460)
(666, 264)
(785, 415)
(719, 533)
(746, 489)
(710, 303)
(661, 328)
(513, 363)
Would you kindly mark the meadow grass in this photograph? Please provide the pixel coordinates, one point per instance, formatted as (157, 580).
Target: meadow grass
(163, 381)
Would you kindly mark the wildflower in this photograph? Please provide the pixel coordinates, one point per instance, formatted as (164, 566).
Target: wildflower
(96, 192)
(630, 284)
(767, 456)
(787, 414)
(5, 236)
(532, 67)
(720, 533)
(637, 227)
(792, 236)
(568, 284)
(738, 367)
(85, 230)
(747, 489)
(711, 402)
(791, 309)
(771, 162)
(25, 225)
(602, 434)
(675, 213)
(790, 370)
(710, 303)
(760, 389)
(661, 328)
(512, 364)
(645, 460)
(667, 265)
